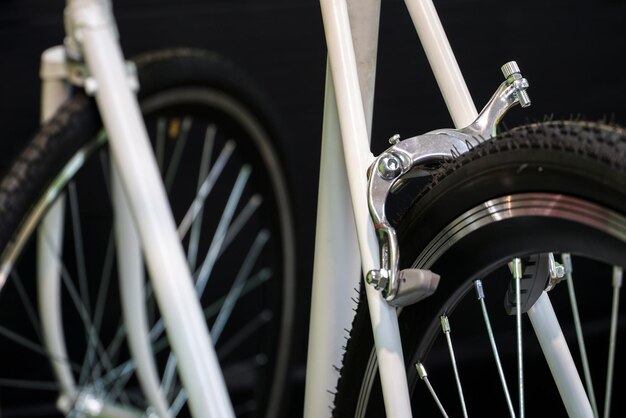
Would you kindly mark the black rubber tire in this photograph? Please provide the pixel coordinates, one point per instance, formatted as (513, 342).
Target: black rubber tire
(583, 160)
(159, 74)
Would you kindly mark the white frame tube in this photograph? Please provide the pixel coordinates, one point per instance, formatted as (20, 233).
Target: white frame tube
(559, 358)
(442, 61)
(336, 268)
(355, 141)
(133, 297)
(130, 147)
(49, 250)
(54, 91)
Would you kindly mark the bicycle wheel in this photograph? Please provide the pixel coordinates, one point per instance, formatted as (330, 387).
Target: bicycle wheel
(214, 142)
(545, 189)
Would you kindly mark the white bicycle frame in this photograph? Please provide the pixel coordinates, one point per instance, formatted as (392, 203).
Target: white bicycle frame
(345, 236)
(346, 245)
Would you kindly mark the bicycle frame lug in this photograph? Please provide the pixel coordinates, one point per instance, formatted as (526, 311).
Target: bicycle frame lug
(78, 75)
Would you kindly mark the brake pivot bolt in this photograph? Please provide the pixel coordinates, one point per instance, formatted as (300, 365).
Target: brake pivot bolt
(389, 166)
(376, 278)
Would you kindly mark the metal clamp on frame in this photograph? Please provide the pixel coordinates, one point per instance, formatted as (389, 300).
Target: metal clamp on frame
(85, 14)
(407, 159)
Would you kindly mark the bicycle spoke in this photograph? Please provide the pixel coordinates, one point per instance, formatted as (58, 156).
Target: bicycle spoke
(445, 326)
(116, 342)
(103, 291)
(112, 351)
(516, 268)
(29, 384)
(241, 219)
(211, 310)
(179, 402)
(228, 303)
(159, 150)
(567, 262)
(91, 338)
(194, 237)
(205, 189)
(181, 132)
(217, 243)
(244, 333)
(120, 382)
(79, 247)
(83, 289)
(235, 291)
(617, 285)
(121, 370)
(34, 347)
(481, 297)
(26, 302)
(421, 371)
(167, 382)
(220, 232)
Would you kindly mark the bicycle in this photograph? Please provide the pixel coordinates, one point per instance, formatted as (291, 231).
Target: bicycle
(531, 154)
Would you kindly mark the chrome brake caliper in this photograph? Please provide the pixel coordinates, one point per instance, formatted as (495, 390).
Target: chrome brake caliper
(406, 159)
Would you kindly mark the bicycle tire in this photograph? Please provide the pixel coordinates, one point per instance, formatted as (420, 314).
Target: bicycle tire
(177, 85)
(554, 162)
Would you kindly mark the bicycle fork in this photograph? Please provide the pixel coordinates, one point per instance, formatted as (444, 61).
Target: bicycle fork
(91, 33)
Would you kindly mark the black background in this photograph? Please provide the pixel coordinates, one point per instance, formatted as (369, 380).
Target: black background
(572, 52)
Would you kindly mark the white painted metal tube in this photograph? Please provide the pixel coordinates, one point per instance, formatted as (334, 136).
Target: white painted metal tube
(171, 279)
(54, 92)
(336, 268)
(357, 159)
(133, 298)
(49, 250)
(559, 358)
(442, 62)
(54, 86)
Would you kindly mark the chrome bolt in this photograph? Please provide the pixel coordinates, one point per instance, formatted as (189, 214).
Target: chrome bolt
(511, 72)
(389, 166)
(509, 69)
(523, 98)
(377, 278)
(557, 270)
(394, 139)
